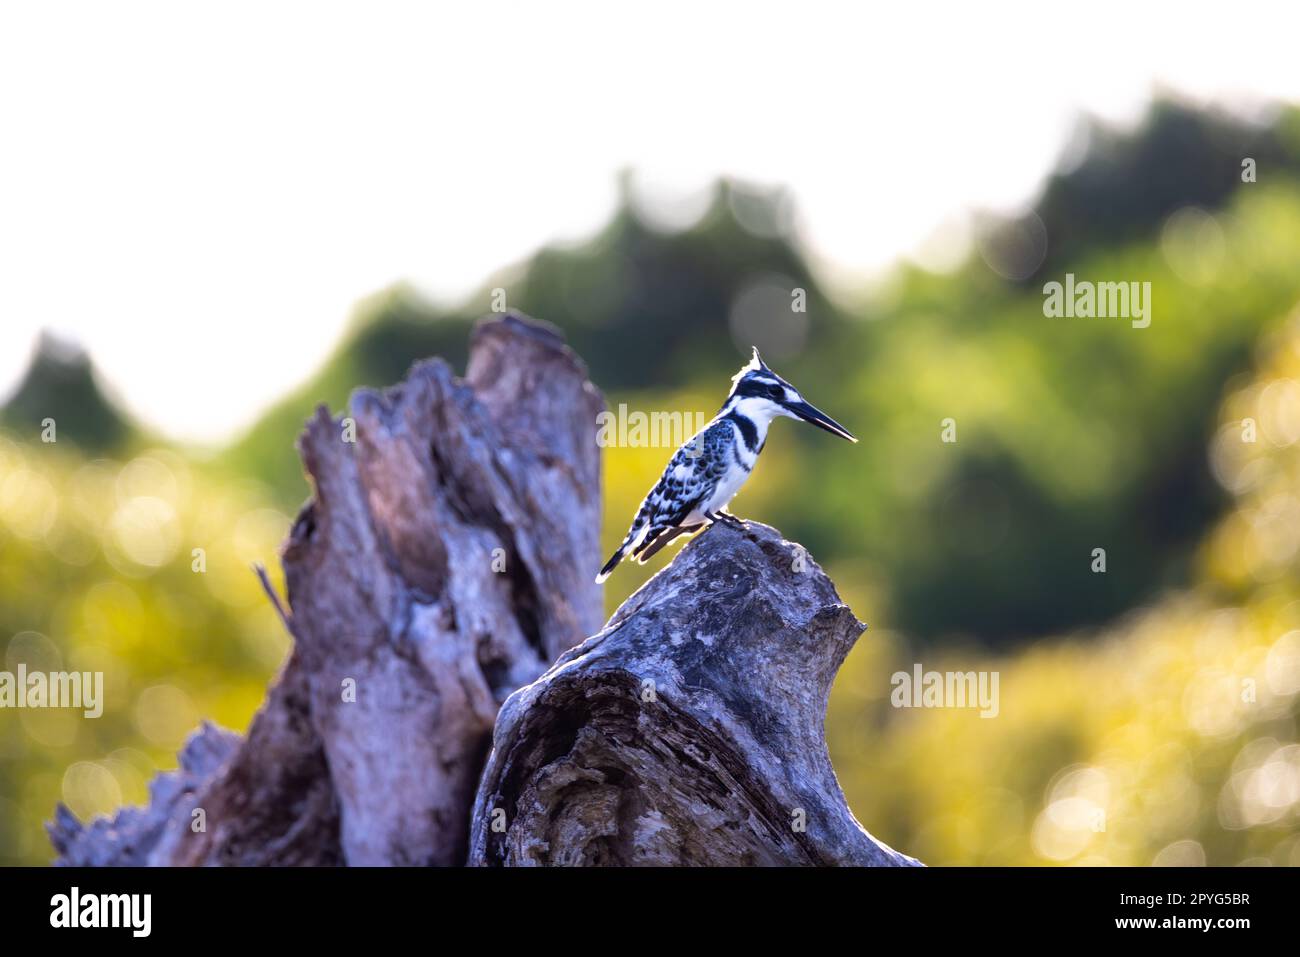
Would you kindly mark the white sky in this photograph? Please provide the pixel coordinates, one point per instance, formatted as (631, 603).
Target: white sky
(199, 192)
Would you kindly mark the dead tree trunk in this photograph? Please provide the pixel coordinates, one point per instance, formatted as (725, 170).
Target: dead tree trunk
(445, 559)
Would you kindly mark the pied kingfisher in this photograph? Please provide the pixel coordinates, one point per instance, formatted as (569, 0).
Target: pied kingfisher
(707, 472)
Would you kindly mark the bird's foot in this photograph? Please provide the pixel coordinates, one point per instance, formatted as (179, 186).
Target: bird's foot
(727, 518)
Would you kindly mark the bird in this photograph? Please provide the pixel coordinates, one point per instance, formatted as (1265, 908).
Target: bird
(705, 474)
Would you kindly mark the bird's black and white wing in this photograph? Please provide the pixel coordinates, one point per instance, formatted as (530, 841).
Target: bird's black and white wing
(689, 480)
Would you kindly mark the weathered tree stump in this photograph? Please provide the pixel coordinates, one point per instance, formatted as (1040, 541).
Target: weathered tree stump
(689, 731)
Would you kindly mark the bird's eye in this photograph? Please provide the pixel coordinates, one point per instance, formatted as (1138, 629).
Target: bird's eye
(776, 392)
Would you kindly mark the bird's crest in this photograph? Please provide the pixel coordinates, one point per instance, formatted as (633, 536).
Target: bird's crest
(755, 364)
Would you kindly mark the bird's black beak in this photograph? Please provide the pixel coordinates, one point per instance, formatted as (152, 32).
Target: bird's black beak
(820, 419)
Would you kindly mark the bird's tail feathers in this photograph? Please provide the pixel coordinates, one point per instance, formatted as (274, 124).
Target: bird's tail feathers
(611, 564)
(634, 539)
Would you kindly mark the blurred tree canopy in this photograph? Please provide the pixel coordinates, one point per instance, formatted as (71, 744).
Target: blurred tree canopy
(60, 384)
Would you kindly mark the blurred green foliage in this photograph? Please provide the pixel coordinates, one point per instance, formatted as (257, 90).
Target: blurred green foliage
(1168, 737)
(1072, 434)
(98, 572)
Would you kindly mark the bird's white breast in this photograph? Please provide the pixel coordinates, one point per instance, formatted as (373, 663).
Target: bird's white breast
(735, 474)
(727, 488)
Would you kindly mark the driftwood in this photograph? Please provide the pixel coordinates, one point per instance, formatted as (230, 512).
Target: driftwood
(445, 560)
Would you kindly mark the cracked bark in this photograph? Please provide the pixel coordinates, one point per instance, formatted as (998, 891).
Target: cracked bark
(444, 560)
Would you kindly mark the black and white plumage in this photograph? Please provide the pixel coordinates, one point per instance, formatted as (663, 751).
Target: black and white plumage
(707, 472)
